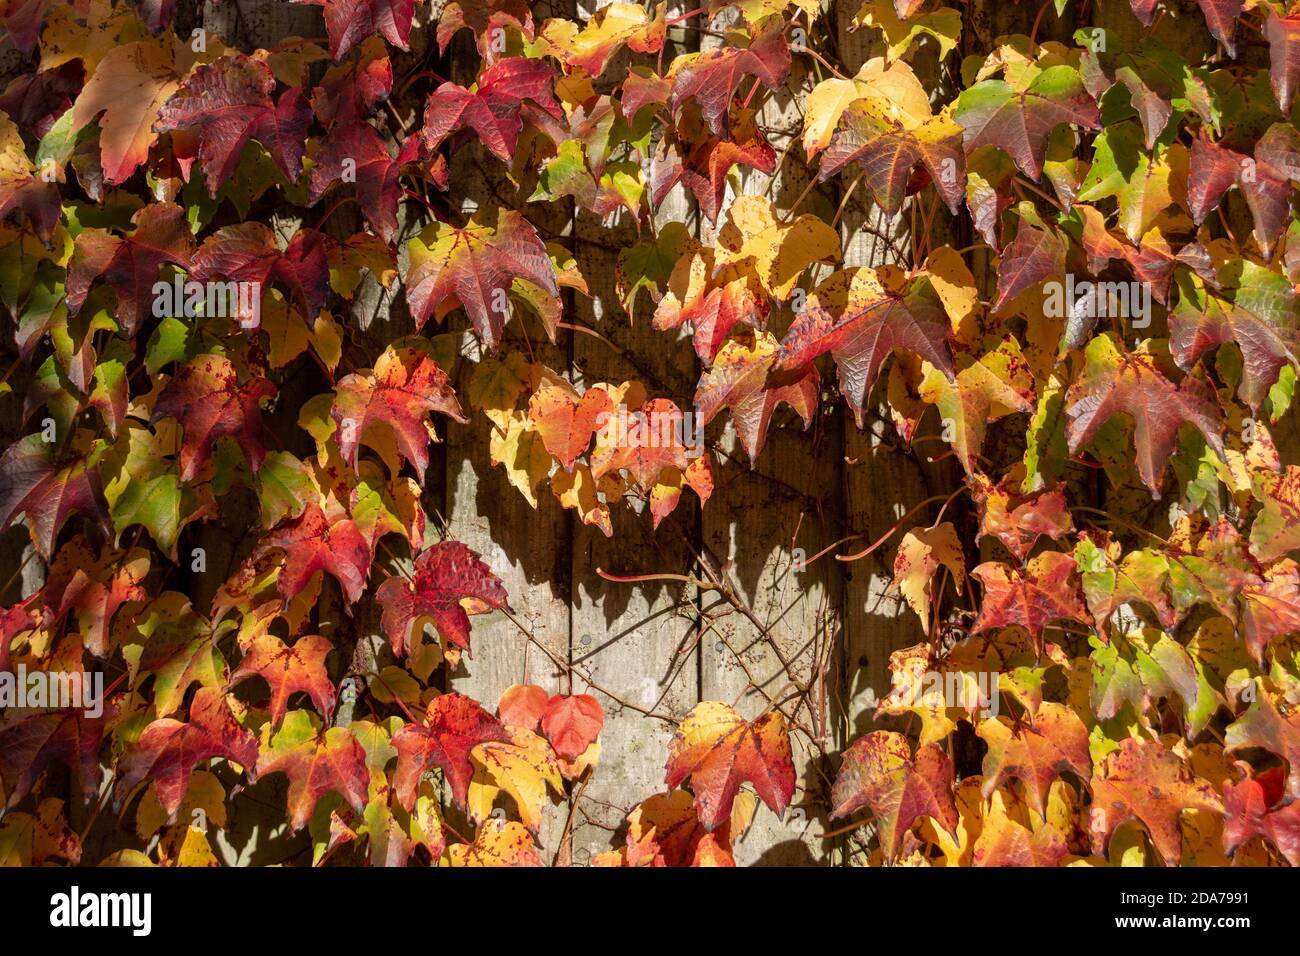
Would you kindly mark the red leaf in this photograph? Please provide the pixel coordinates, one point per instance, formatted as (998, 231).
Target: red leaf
(1035, 752)
(29, 745)
(645, 442)
(227, 103)
(475, 268)
(1019, 122)
(862, 334)
(34, 483)
(1221, 18)
(1283, 34)
(1251, 809)
(719, 750)
(453, 726)
(1019, 520)
(404, 387)
(168, 750)
(355, 153)
(711, 77)
(288, 670)
(888, 152)
(130, 265)
(1264, 727)
(572, 724)
(315, 760)
(493, 110)
(349, 91)
(738, 380)
(445, 575)
(522, 706)
(1144, 781)
(707, 161)
(1044, 592)
(565, 422)
(348, 22)
(205, 397)
(1035, 255)
(1129, 382)
(880, 773)
(314, 542)
(248, 252)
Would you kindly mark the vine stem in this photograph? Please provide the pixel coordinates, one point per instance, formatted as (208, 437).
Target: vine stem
(895, 528)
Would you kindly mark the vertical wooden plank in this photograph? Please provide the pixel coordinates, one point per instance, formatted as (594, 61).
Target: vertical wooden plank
(882, 480)
(630, 639)
(525, 547)
(763, 516)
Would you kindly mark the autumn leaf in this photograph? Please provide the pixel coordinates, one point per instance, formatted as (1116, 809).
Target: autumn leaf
(874, 134)
(28, 745)
(228, 103)
(130, 265)
(351, 21)
(447, 574)
(566, 422)
(524, 766)
(125, 93)
(703, 162)
(572, 723)
(395, 397)
(1265, 727)
(1116, 381)
(609, 29)
(1143, 781)
(997, 384)
(1283, 35)
(496, 843)
(1262, 318)
(355, 153)
(522, 706)
(738, 380)
(1018, 521)
(316, 760)
(168, 750)
(1043, 593)
(755, 239)
(248, 253)
(36, 484)
(1254, 807)
(1018, 122)
(453, 726)
(719, 750)
(1035, 751)
(316, 542)
(1005, 841)
(880, 773)
(206, 399)
(710, 78)
(474, 267)
(289, 669)
(1276, 529)
(920, 555)
(861, 316)
(495, 110)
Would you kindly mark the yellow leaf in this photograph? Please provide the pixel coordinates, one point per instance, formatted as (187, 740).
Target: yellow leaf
(893, 84)
(776, 252)
(522, 768)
